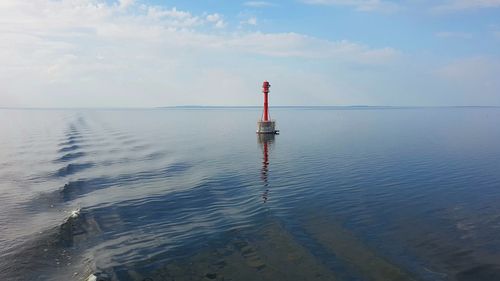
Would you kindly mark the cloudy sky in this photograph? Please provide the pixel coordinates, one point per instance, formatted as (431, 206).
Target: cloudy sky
(144, 53)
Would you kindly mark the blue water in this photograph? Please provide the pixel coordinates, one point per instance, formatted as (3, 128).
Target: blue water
(195, 194)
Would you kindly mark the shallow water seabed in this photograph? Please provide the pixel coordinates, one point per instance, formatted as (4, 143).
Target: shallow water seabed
(272, 253)
(459, 246)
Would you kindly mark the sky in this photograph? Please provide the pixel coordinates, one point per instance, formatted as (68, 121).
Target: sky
(151, 53)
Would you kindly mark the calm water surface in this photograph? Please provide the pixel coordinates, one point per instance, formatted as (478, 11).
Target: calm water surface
(195, 194)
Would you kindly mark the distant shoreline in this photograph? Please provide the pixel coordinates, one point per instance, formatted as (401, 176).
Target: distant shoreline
(331, 106)
(319, 107)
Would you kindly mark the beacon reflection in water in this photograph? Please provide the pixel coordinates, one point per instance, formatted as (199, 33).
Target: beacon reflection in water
(265, 141)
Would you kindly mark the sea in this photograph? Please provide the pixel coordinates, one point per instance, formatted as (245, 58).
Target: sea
(193, 193)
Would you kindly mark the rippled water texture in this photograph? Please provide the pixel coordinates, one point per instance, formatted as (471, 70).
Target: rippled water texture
(195, 194)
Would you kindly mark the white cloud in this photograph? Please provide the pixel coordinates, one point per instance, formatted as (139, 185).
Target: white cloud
(213, 17)
(457, 5)
(170, 17)
(220, 24)
(360, 5)
(450, 34)
(258, 4)
(126, 3)
(302, 46)
(88, 52)
(250, 21)
(475, 75)
(216, 19)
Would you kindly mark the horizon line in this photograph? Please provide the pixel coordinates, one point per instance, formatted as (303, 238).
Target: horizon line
(255, 106)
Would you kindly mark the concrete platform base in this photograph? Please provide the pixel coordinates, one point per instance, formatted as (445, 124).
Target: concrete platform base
(267, 127)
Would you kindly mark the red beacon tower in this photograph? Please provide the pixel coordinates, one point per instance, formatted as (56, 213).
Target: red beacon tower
(265, 125)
